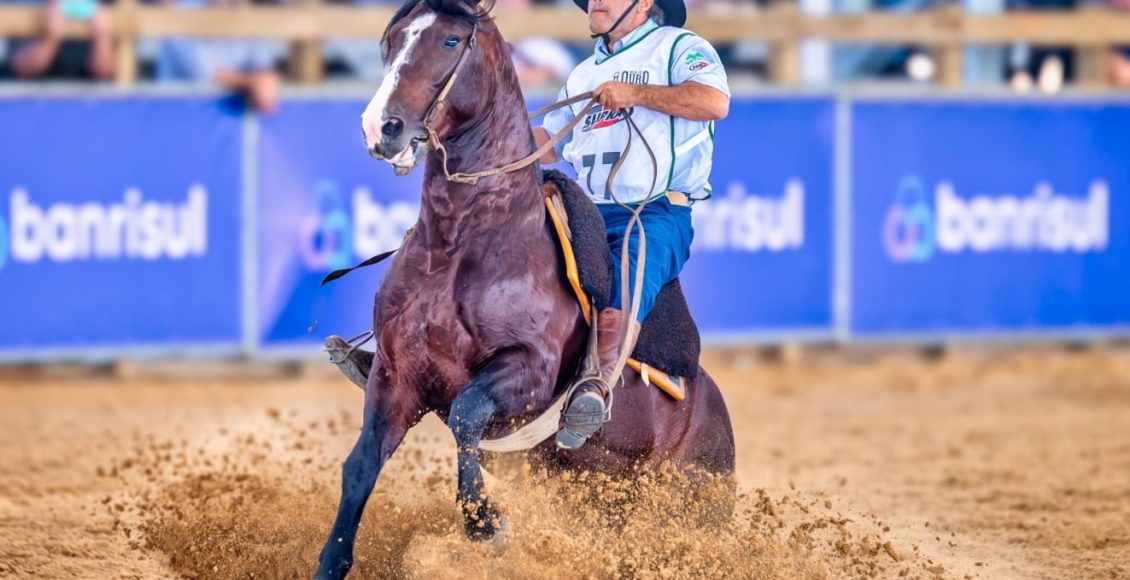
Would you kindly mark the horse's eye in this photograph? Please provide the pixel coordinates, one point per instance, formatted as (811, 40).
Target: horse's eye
(451, 42)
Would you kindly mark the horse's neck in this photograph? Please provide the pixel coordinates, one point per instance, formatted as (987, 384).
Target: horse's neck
(509, 200)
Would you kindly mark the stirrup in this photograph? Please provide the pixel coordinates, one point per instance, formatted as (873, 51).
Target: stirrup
(353, 362)
(585, 414)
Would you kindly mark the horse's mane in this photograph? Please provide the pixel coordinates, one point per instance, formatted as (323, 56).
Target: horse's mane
(468, 11)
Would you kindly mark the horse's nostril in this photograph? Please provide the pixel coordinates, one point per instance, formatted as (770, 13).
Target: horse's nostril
(392, 128)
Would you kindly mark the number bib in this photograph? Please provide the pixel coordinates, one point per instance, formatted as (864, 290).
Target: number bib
(599, 139)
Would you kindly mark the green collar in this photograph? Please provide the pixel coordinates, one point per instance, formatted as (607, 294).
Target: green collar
(633, 38)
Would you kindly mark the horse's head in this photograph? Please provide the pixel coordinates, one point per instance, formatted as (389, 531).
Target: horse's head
(441, 57)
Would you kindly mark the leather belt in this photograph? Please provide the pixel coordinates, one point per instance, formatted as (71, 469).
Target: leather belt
(677, 198)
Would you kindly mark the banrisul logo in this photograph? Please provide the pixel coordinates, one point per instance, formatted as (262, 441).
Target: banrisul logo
(747, 222)
(326, 233)
(908, 230)
(133, 228)
(920, 224)
(340, 230)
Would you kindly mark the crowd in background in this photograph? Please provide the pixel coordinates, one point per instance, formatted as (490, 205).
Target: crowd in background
(256, 68)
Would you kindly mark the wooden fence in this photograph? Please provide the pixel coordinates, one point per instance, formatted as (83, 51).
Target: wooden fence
(1092, 33)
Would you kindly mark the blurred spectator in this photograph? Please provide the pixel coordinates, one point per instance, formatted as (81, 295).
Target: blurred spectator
(52, 56)
(1120, 67)
(542, 61)
(984, 65)
(1120, 60)
(1046, 67)
(851, 61)
(355, 58)
(244, 66)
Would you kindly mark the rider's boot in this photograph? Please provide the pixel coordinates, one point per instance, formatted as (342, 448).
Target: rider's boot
(354, 363)
(587, 407)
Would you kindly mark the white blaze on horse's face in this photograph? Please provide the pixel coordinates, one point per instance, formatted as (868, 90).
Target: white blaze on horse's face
(375, 115)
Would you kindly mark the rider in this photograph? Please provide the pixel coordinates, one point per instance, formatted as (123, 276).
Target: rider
(673, 85)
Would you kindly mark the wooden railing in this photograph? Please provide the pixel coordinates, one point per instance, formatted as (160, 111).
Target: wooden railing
(945, 31)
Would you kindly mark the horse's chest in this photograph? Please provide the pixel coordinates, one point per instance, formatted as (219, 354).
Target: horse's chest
(426, 341)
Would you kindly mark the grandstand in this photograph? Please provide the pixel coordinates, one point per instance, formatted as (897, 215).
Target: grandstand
(1093, 34)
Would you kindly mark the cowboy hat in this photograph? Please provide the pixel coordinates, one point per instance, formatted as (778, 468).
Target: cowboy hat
(674, 11)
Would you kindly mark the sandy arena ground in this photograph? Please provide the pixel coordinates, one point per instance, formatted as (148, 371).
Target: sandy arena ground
(975, 465)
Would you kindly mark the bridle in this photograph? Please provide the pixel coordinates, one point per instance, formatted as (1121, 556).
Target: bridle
(440, 103)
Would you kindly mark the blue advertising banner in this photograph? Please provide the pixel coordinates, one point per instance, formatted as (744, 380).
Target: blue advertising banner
(989, 217)
(323, 204)
(761, 262)
(119, 223)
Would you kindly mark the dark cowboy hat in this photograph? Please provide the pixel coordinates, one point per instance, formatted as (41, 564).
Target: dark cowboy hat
(674, 11)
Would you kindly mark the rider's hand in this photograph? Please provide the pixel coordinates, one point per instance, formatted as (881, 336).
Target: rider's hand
(617, 96)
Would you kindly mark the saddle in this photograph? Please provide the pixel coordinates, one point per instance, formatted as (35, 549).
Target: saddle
(669, 344)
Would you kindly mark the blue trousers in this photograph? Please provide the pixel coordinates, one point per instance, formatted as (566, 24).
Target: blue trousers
(669, 235)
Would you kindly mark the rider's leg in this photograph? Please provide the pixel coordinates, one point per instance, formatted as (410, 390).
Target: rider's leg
(669, 234)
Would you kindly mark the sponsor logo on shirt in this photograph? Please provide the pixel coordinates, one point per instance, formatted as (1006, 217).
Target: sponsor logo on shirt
(598, 118)
(695, 61)
(635, 77)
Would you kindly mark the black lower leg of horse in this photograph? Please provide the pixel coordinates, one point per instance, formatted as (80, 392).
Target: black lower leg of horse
(471, 412)
(381, 433)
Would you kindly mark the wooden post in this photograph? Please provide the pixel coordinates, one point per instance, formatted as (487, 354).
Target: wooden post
(950, 54)
(1092, 66)
(950, 62)
(306, 53)
(784, 53)
(306, 61)
(124, 29)
(1092, 62)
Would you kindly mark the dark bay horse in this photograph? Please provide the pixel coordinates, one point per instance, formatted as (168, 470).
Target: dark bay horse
(474, 320)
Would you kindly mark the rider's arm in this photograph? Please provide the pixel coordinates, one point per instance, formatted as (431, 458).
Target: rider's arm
(553, 123)
(689, 100)
(540, 137)
(696, 89)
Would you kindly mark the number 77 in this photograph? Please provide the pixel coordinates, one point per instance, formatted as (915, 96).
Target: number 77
(589, 161)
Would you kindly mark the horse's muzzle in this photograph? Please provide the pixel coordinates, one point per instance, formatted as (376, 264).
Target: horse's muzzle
(402, 157)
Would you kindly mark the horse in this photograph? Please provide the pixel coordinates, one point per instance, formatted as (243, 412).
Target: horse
(473, 319)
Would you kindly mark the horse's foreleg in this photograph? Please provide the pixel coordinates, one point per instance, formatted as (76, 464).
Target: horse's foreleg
(483, 399)
(385, 423)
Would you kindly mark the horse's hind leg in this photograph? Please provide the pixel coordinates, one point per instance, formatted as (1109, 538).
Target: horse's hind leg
(484, 398)
(387, 419)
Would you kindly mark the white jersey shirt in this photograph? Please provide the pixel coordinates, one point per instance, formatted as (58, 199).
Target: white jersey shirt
(653, 55)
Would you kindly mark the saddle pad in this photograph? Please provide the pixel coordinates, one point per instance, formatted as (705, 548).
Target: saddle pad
(669, 338)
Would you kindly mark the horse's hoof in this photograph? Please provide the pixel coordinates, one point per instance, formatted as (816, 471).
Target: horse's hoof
(502, 530)
(488, 525)
(333, 572)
